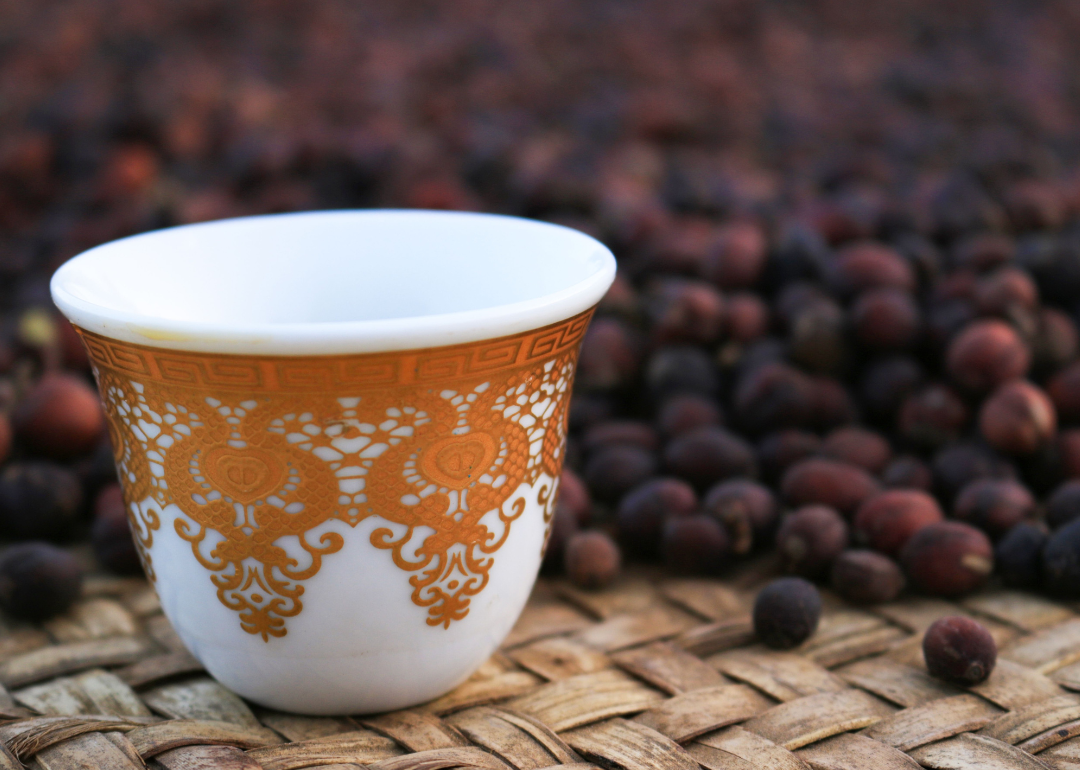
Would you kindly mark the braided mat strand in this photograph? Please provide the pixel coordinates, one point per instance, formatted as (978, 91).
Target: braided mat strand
(655, 672)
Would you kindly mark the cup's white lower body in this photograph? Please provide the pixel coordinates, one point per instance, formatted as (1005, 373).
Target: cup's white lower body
(361, 644)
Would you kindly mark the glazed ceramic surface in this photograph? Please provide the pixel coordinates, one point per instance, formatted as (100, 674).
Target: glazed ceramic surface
(354, 529)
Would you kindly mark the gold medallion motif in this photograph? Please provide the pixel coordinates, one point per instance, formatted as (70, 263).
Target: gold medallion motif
(259, 451)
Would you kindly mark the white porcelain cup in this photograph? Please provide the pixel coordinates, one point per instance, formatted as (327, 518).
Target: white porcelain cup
(339, 436)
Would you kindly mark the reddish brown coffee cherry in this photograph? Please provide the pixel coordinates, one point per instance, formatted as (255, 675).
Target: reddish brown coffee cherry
(886, 320)
(747, 317)
(575, 496)
(60, 418)
(1018, 418)
(827, 482)
(858, 446)
(987, 354)
(948, 559)
(866, 577)
(686, 411)
(886, 521)
(960, 650)
(1064, 391)
(592, 559)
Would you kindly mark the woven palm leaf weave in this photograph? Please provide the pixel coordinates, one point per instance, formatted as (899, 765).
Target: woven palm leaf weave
(654, 672)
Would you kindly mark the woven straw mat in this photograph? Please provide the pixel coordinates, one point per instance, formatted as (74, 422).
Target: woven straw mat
(654, 672)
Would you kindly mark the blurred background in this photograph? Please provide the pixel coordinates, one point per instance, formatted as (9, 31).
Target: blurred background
(844, 229)
(646, 123)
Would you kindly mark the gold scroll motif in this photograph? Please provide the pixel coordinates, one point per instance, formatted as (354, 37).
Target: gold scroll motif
(254, 450)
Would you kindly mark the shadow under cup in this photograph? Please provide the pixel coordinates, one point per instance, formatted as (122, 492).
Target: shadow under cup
(339, 436)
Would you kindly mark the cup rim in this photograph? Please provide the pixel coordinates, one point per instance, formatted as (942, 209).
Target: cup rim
(336, 337)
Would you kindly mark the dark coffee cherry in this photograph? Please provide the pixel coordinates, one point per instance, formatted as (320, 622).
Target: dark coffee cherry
(747, 317)
(932, 416)
(866, 577)
(759, 353)
(38, 500)
(1055, 342)
(614, 470)
(705, 456)
(588, 409)
(786, 613)
(817, 338)
(1067, 449)
(1061, 561)
(1063, 506)
(1018, 556)
(949, 558)
(827, 482)
(809, 539)
(779, 451)
(858, 446)
(641, 514)
(694, 545)
(886, 521)
(6, 435)
(747, 510)
(797, 297)
(771, 397)
(987, 354)
(943, 320)
(1018, 418)
(111, 535)
(885, 385)
(907, 472)
(831, 405)
(610, 356)
(38, 581)
(957, 465)
(592, 559)
(564, 525)
(1064, 391)
(686, 411)
(960, 650)
(886, 320)
(575, 496)
(60, 417)
(681, 369)
(624, 432)
(994, 505)
(98, 468)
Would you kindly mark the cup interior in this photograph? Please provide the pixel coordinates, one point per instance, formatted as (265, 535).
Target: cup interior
(368, 277)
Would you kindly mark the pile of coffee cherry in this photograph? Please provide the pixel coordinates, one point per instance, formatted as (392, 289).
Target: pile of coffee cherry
(884, 412)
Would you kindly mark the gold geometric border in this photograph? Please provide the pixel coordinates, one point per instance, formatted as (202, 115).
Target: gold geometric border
(311, 374)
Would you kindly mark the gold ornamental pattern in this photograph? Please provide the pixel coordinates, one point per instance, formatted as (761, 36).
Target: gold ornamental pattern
(258, 453)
